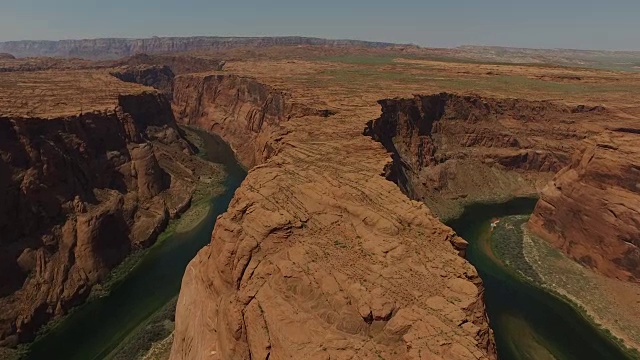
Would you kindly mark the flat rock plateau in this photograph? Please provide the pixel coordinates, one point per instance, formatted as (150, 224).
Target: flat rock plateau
(334, 246)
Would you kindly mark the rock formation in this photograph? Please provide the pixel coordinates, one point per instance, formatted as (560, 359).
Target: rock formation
(78, 193)
(158, 77)
(179, 64)
(242, 110)
(591, 209)
(450, 149)
(318, 256)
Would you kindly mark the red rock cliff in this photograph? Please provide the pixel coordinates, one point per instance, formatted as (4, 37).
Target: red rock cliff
(318, 256)
(243, 111)
(591, 210)
(77, 194)
(450, 149)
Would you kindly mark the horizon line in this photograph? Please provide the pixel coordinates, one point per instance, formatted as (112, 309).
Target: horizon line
(390, 43)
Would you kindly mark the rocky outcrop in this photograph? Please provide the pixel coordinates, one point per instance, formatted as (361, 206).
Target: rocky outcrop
(77, 195)
(591, 209)
(117, 48)
(318, 256)
(179, 64)
(243, 111)
(450, 149)
(158, 77)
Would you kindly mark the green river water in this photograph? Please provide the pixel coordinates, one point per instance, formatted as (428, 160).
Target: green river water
(528, 322)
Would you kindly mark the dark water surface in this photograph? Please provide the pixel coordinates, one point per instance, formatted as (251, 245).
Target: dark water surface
(98, 327)
(528, 322)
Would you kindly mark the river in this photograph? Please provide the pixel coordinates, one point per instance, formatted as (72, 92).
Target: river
(528, 322)
(95, 329)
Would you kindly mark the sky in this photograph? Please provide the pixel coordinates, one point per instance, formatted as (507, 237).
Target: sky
(577, 24)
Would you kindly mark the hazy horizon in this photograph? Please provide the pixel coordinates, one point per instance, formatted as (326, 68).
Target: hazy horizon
(319, 37)
(546, 24)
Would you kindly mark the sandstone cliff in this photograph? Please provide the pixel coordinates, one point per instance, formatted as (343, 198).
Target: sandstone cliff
(243, 111)
(77, 195)
(111, 48)
(450, 150)
(158, 77)
(453, 149)
(318, 256)
(591, 209)
(179, 64)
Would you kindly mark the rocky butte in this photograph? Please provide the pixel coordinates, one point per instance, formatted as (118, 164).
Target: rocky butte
(334, 245)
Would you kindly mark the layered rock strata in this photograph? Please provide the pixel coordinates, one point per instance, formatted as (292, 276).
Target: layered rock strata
(450, 150)
(77, 195)
(242, 110)
(591, 209)
(318, 256)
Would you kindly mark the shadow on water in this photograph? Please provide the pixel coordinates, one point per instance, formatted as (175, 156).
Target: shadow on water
(528, 322)
(99, 326)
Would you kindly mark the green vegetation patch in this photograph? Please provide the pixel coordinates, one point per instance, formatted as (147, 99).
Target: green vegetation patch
(508, 246)
(354, 77)
(357, 59)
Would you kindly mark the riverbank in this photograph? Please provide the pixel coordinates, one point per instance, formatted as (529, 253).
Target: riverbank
(151, 338)
(610, 306)
(611, 303)
(528, 321)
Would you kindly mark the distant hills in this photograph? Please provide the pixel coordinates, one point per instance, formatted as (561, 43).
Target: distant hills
(115, 48)
(615, 60)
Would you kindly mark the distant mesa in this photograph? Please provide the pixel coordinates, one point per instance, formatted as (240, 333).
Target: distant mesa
(6, 56)
(111, 49)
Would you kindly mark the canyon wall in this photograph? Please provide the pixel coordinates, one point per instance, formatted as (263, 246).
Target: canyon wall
(318, 256)
(450, 150)
(179, 64)
(111, 48)
(158, 77)
(77, 195)
(591, 209)
(241, 110)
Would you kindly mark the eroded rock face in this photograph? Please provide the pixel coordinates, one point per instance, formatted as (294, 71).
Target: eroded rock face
(77, 195)
(243, 111)
(450, 149)
(591, 209)
(158, 77)
(179, 64)
(318, 256)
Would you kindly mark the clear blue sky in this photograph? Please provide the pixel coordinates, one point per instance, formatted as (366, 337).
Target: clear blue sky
(605, 24)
